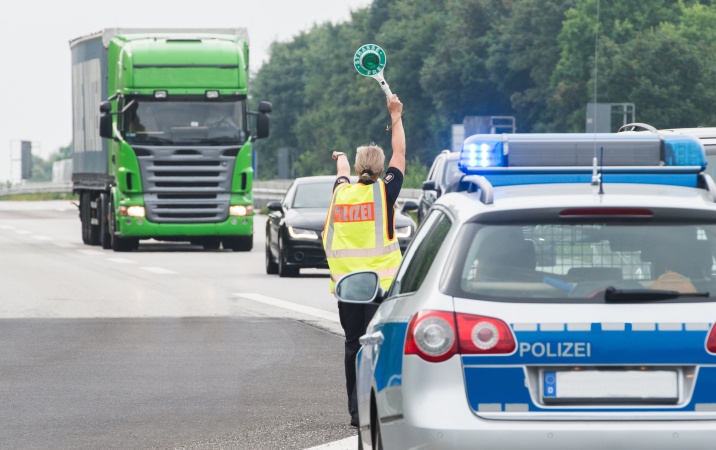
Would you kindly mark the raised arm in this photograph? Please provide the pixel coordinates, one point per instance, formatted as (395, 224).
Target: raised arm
(343, 167)
(397, 142)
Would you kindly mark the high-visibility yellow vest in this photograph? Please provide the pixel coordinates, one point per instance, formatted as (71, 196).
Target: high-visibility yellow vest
(355, 235)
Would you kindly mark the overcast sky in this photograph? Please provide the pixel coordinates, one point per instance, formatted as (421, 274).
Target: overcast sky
(35, 93)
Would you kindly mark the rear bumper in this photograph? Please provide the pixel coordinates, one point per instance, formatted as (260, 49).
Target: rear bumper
(432, 411)
(554, 435)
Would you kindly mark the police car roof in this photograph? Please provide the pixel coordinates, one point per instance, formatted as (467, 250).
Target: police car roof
(654, 170)
(466, 205)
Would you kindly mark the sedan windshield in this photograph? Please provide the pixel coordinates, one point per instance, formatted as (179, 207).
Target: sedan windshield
(585, 260)
(313, 195)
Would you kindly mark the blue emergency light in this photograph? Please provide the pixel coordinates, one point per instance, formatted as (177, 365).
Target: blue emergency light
(508, 159)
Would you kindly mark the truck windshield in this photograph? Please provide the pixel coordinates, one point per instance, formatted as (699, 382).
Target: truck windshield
(580, 262)
(185, 123)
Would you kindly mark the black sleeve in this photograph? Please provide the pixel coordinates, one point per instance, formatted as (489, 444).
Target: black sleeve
(339, 181)
(393, 184)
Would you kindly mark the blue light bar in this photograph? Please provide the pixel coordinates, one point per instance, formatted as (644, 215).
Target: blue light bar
(482, 151)
(537, 158)
(682, 150)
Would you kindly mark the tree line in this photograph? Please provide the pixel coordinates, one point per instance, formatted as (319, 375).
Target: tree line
(541, 61)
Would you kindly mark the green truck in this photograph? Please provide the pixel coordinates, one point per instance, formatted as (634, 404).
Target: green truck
(162, 137)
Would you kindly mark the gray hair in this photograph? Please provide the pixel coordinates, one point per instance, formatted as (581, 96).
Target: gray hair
(369, 162)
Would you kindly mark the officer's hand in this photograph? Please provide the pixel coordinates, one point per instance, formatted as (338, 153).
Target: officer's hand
(395, 108)
(335, 155)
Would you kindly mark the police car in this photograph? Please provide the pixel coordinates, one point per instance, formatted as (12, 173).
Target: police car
(606, 341)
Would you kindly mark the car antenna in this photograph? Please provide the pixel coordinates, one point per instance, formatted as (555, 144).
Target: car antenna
(596, 174)
(601, 170)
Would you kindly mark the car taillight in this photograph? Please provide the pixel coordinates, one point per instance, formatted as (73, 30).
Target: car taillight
(479, 335)
(431, 336)
(711, 341)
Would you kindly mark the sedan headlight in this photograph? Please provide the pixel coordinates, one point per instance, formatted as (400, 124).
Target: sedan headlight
(403, 232)
(302, 233)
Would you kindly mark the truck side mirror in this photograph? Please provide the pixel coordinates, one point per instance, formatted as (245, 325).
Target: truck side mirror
(265, 107)
(262, 125)
(105, 120)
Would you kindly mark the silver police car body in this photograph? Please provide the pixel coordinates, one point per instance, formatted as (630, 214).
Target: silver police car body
(566, 298)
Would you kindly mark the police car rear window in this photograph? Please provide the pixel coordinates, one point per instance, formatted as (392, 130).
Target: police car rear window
(577, 262)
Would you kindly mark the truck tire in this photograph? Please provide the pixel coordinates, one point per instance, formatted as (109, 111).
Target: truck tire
(119, 244)
(211, 244)
(90, 233)
(84, 216)
(105, 238)
(239, 244)
(92, 214)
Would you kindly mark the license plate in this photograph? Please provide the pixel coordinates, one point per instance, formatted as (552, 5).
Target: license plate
(611, 385)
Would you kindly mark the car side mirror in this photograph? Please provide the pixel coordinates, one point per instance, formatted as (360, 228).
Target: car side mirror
(410, 205)
(274, 206)
(431, 186)
(359, 287)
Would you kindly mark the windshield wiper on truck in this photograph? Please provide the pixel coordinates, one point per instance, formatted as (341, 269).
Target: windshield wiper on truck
(612, 294)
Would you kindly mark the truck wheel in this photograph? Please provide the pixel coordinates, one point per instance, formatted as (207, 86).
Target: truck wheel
(119, 244)
(211, 244)
(92, 230)
(105, 238)
(84, 216)
(239, 244)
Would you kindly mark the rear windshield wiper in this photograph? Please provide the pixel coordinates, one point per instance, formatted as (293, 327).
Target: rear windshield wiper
(612, 294)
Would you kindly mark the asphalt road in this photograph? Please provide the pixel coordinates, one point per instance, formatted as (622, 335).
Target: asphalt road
(166, 347)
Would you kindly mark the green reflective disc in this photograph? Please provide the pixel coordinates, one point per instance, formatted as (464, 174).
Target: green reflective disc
(369, 60)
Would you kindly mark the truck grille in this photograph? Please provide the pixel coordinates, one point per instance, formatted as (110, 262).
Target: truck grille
(186, 185)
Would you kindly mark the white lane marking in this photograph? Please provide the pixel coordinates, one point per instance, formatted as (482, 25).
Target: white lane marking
(122, 260)
(90, 252)
(6, 227)
(344, 444)
(64, 244)
(289, 305)
(22, 232)
(160, 270)
(42, 238)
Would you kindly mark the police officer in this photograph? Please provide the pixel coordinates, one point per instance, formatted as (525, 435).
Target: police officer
(359, 233)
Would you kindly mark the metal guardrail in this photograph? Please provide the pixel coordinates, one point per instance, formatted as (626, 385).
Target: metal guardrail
(264, 191)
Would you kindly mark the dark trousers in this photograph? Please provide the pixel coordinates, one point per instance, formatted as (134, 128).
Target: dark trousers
(354, 320)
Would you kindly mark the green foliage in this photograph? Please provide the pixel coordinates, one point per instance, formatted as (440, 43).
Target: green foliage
(415, 174)
(447, 59)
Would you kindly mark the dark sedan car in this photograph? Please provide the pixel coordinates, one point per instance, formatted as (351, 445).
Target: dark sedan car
(294, 226)
(440, 176)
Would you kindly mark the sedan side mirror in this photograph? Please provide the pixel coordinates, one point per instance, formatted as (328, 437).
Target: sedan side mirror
(410, 205)
(360, 287)
(430, 185)
(274, 206)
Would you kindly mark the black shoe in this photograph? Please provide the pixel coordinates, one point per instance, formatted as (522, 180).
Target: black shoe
(354, 419)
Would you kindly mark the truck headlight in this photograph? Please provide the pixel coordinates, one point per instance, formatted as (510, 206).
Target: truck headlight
(302, 233)
(241, 210)
(403, 232)
(132, 211)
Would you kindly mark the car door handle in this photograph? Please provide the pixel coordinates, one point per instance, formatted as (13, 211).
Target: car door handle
(373, 338)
